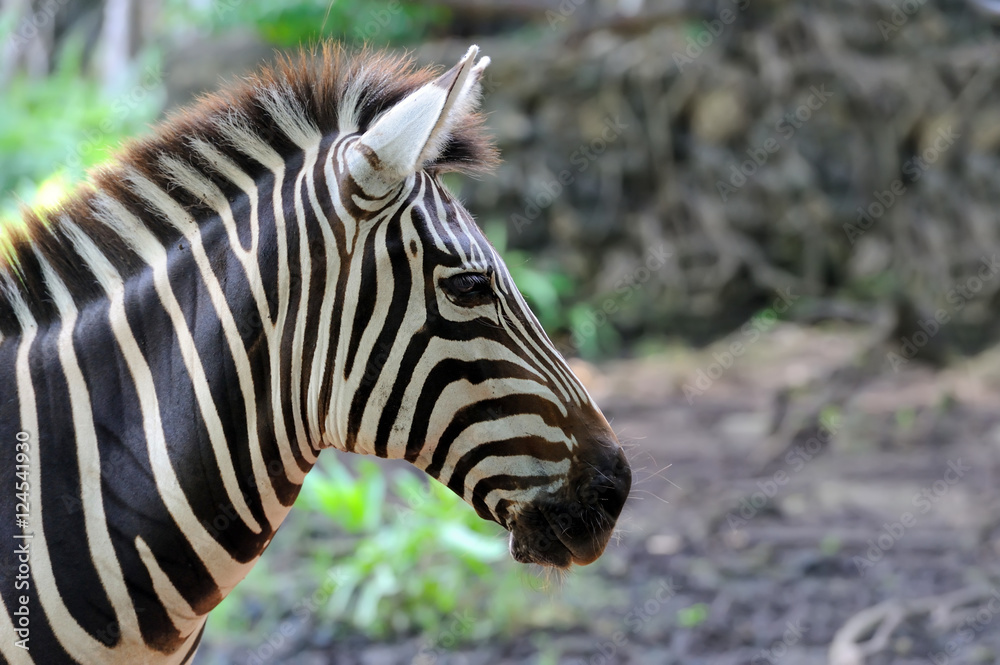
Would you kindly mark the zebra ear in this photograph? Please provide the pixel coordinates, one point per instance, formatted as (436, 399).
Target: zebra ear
(415, 130)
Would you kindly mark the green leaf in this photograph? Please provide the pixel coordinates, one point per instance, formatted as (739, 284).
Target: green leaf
(690, 617)
(467, 541)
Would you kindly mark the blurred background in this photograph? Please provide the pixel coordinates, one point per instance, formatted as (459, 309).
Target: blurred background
(767, 235)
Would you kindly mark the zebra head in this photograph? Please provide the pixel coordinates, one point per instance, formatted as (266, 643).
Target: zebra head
(443, 361)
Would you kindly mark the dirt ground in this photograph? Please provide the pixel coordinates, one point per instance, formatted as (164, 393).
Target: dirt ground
(870, 538)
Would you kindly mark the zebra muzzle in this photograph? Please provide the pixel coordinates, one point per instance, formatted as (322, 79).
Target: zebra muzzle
(574, 525)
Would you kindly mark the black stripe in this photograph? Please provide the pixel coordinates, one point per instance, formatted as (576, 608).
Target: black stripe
(487, 410)
(285, 489)
(502, 482)
(315, 297)
(531, 446)
(61, 500)
(444, 373)
(267, 247)
(394, 319)
(194, 647)
(339, 233)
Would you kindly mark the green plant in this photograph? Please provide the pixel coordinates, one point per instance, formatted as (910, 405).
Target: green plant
(830, 416)
(52, 130)
(295, 23)
(545, 290)
(424, 528)
(380, 557)
(830, 545)
(905, 418)
(554, 298)
(693, 616)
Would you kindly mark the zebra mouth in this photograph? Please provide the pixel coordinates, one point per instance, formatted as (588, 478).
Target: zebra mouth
(574, 524)
(555, 536)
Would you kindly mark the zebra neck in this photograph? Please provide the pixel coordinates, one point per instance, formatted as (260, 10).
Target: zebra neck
(165, 412)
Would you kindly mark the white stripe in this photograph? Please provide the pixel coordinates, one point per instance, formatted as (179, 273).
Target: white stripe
(523, 466)
(13, 295)
(431, 225)
(440, 220)
(68, 632)
(318, 375)
(12, 654)
(153, 253)
(302, 317)
(350, 225)
(284, 108)
(208, 192)
(347, 110)
(517, 333)
(224, 570)
(236, 129)
(438, 349)
(101, 549)
(475, 435)
(192, 233)
(520, 497)
(181, 614)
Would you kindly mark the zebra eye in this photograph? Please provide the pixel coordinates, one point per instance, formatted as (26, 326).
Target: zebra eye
(468, 286)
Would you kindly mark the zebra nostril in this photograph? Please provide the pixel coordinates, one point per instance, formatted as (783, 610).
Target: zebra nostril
(611, 498)
(612, 483)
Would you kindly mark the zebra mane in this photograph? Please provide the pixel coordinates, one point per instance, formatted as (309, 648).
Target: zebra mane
(307, 94)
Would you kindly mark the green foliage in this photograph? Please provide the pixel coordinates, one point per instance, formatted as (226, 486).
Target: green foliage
(304, 21)
(830, 545)
(551, 294)
(905, 418)
(354, 504)
(53, 129)
(545, 290)
(830, 417)
(691, 617)
(593, 334)
(426, 528)
(406, 555)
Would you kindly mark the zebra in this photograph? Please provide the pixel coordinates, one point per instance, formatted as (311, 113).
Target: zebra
(274, 271)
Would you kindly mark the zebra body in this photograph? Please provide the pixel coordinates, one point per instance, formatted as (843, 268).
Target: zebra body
(277, 271)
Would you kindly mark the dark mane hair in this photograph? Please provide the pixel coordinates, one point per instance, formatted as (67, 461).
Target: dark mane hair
(326, 87)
